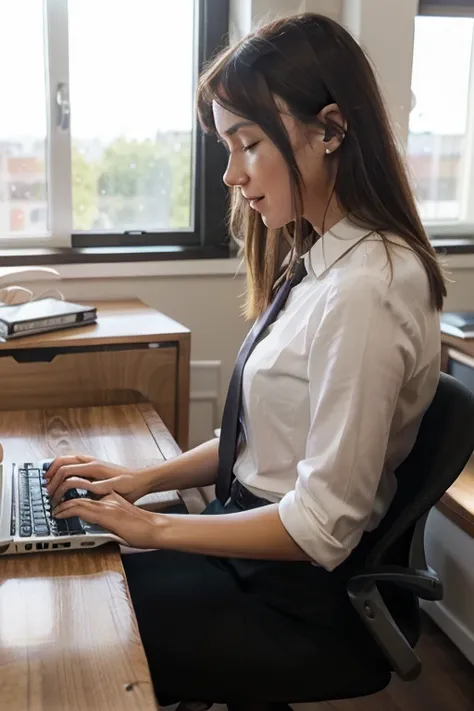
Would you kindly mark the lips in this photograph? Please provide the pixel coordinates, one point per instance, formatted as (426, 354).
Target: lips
(255, 202)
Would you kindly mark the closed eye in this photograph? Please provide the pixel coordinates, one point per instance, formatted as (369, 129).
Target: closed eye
(251, 146)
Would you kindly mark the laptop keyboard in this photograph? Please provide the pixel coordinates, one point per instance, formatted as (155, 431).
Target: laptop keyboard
(34, 507)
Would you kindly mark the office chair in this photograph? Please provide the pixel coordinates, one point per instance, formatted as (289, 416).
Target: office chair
(394, 574)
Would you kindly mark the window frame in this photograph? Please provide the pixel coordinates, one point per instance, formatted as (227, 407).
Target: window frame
(455, 236)
(446, 8)
(207, 238)
(210, 214)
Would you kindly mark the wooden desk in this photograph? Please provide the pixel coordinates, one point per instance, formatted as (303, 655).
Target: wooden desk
(68, 635)
(458, 502)
(132, 354)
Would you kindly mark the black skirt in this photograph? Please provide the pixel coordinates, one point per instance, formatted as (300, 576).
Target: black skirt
(236, 630)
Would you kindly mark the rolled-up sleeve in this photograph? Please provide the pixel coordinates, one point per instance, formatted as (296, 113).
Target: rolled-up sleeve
(360, 356)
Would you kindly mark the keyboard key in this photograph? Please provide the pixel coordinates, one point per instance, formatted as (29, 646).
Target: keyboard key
(41, 530)
(61, 526)
(74, 525)
(71, 494)
(91, 527)
(35, 506)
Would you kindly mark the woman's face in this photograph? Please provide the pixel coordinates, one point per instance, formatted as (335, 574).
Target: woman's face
(258, 168)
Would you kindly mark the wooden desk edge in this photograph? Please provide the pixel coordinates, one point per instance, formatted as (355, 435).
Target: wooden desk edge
(163, 439)
(462, 345)
(454, 509)
(457, 513)
(449, 505)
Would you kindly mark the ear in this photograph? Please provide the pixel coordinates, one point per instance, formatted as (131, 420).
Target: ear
(335, 127)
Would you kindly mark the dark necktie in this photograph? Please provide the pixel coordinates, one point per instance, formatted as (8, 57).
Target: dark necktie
(230, 427)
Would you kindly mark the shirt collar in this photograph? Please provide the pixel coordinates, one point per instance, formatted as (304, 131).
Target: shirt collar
(334, 244)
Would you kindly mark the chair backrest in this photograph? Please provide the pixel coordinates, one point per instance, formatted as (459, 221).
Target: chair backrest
(443, 446)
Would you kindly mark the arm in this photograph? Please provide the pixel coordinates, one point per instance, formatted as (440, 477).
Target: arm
(198, 467)
(248, 534)
(258, 534)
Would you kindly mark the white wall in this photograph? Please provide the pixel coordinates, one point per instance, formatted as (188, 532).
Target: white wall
(450, 551)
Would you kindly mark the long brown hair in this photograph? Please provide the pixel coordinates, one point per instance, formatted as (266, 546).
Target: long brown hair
(310, 61)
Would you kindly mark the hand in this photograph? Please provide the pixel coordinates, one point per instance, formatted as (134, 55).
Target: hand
(134, 526)
(100, 478)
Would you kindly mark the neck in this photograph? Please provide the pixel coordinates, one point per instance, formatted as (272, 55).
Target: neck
(323, 216)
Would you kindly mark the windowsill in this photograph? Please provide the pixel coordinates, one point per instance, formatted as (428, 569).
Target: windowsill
(453, 245)
(136, 262)
(124, 262)
(93, 255)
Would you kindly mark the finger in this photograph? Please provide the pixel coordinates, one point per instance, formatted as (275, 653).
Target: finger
(84, 508)
(108, 513)
(96, 512)
(89, 470)
(59, 462)
(76, 482)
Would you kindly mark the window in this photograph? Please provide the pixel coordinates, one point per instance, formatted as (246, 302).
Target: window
(441, 133)
(99, 142)
(23, 130)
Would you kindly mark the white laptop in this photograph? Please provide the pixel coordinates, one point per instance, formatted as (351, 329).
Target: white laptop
(26, 523)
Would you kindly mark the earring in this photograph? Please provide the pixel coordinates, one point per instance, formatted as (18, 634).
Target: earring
(327, 151)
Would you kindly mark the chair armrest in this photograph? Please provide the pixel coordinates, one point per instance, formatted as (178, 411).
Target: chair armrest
(423, 583)
(368, 602)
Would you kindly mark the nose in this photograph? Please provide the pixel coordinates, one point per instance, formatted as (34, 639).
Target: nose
(234, 174)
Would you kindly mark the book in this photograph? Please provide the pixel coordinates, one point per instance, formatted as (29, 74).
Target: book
(458, 323)
(42, 315)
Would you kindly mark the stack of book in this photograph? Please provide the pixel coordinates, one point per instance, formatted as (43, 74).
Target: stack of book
(43, 315)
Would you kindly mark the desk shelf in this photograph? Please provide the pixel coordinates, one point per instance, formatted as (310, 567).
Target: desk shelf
(133, 354)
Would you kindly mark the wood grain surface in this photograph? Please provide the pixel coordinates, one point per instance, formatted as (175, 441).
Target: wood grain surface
(68, 635)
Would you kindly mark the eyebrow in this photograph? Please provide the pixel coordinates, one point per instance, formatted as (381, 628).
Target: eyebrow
(236, 127)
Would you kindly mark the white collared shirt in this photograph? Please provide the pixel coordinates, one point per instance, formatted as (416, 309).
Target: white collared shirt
(334, 392)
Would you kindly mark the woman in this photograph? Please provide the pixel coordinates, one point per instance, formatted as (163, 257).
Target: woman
(230, 608)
